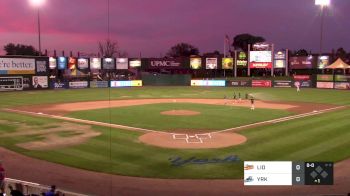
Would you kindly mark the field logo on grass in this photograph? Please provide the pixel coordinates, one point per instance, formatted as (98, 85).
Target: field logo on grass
(179, 161)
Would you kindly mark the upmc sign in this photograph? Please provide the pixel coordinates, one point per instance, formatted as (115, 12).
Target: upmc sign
(163, 63)
(156, 63)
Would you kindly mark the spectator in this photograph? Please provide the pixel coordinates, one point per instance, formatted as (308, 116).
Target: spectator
(2, 179)
(52, 191)
(15, 192)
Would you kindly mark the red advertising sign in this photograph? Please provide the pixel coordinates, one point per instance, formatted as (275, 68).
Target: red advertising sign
(260, 65)
(301, 77)
(261, 83)
(72, 63)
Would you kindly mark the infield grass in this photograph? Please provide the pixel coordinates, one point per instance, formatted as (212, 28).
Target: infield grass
(211, 117)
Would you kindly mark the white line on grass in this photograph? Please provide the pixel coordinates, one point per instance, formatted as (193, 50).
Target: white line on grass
(278, 120)
(82, 121)
(283, 119)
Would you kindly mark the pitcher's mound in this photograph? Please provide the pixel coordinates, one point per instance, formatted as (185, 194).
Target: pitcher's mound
(180, 112)
(192, 140)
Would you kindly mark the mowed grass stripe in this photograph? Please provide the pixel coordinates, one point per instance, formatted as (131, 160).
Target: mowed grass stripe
(297, 135)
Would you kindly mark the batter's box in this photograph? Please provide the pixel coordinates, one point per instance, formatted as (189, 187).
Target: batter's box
(180, 136)
(204, 136)
(194, 139)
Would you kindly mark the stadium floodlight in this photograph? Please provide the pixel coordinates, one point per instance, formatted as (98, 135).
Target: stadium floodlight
(38, 4)
(322, 2)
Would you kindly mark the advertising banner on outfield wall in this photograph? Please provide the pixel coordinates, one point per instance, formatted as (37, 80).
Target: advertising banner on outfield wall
(40, 82)
(108, 63)
(11, 83)
(260, 59)
(196, 63)
(227, 63)
(242, 59)
(62, 63)
(52, 62)
(282, 83)
(301, 77)
(303, 83)
(239, 83)
(127, 83)
(322, 62)
(19, 66)
(208, 83)
(42, 66)
(302, 62)
(122, 63)
(211, 63)
(98, 84)
(342, 78)
(83, 63)
(325, 85)
(324, 77)
(280, 59)
(261, 83)
(59, 85)
(95, 63)
(342, 85)
(27, 82)
(79, 84)
(72, 63)
(134, 63)
(165, 63)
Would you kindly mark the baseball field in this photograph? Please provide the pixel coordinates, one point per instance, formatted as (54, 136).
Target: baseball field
(174, 132)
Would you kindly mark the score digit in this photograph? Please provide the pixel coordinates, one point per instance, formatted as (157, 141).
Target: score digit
(310, 165)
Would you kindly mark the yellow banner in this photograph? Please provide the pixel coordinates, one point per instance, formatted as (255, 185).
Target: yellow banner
(21, 72)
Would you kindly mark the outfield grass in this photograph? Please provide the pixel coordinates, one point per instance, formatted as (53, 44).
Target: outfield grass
(10, 99)
(211, 117)
(324, 137)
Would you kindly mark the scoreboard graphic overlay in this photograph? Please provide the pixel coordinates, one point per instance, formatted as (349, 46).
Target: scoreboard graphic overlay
(287, 173)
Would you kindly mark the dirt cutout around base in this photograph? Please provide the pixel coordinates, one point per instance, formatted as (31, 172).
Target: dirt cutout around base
(192, 141)
(180, 113)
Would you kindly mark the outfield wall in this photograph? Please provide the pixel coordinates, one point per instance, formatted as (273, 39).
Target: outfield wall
(37, 73)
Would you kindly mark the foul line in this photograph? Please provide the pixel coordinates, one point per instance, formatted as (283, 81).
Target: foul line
(81, 121)
(278, 120)
(283, 119)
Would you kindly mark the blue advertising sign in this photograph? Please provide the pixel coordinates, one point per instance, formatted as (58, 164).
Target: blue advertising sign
(62, 63)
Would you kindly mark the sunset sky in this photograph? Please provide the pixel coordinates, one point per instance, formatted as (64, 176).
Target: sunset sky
(153, 26)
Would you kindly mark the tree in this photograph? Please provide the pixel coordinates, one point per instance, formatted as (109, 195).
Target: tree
(20, 49)
(182, 50)
(214, 53)
(241, 41)
(341, 53)
(301, 52)
(108, 48)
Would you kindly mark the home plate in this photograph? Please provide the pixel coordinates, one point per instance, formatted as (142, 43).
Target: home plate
(315, 111)
(39, 113)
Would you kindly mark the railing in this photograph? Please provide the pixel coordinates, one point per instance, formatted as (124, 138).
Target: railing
(30, 188)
